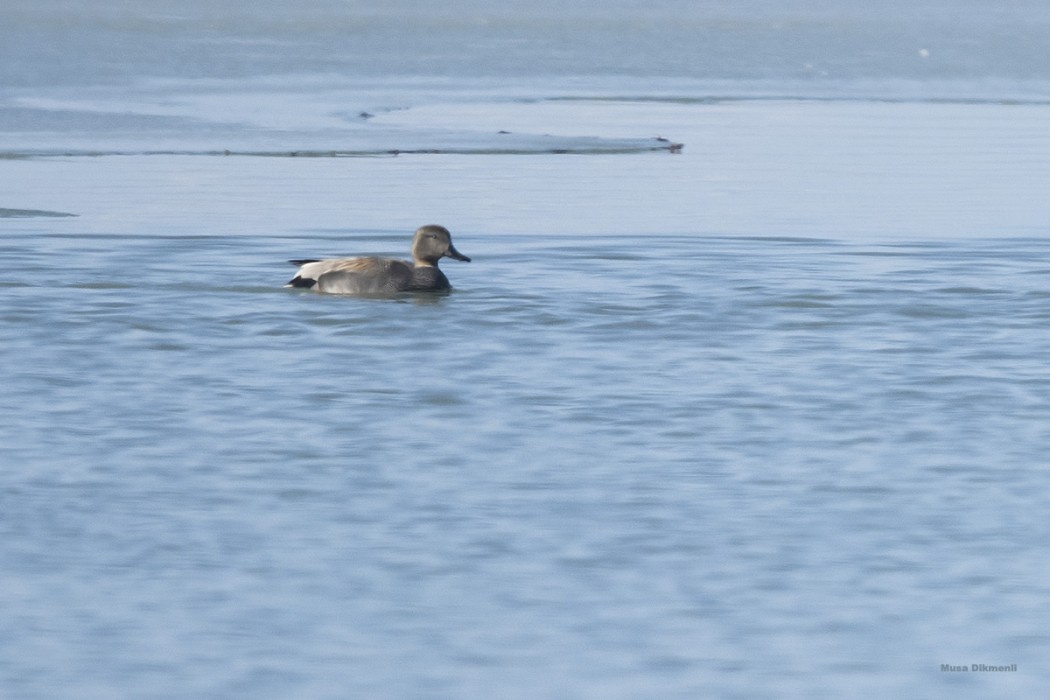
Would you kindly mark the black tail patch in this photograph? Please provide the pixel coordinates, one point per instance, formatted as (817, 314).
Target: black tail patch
(304, 282)
(300, 263)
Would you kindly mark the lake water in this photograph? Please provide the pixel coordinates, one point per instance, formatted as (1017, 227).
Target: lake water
(765, 417)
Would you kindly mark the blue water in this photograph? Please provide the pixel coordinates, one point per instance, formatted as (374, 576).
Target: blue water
(766, 417)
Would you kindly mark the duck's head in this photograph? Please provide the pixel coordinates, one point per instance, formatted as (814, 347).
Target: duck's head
(431, 243)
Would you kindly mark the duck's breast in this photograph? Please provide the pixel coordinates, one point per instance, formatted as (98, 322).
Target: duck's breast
(429, 278)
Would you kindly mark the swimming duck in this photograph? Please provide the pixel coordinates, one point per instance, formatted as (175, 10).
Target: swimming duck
(372, 275)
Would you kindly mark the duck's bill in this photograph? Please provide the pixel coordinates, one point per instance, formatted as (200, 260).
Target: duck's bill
(456, 255)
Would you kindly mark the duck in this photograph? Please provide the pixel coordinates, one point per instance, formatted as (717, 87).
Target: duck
(378, 276)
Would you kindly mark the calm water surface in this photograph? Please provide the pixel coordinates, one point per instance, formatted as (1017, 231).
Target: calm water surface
(763, 465)
(764, 418)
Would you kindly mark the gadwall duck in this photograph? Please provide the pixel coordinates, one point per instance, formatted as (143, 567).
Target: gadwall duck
(383, 275)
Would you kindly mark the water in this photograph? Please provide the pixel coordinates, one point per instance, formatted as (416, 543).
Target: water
(765, 417)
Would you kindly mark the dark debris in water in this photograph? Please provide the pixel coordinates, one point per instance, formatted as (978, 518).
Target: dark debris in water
(671, 146)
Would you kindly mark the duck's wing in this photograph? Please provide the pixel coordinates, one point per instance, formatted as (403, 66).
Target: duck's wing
(355, 276)
(310, 271)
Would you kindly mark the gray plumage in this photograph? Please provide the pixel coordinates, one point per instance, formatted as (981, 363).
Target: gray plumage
(372, 275)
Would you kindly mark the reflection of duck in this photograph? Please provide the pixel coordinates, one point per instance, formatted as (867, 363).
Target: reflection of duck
(383, 275)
